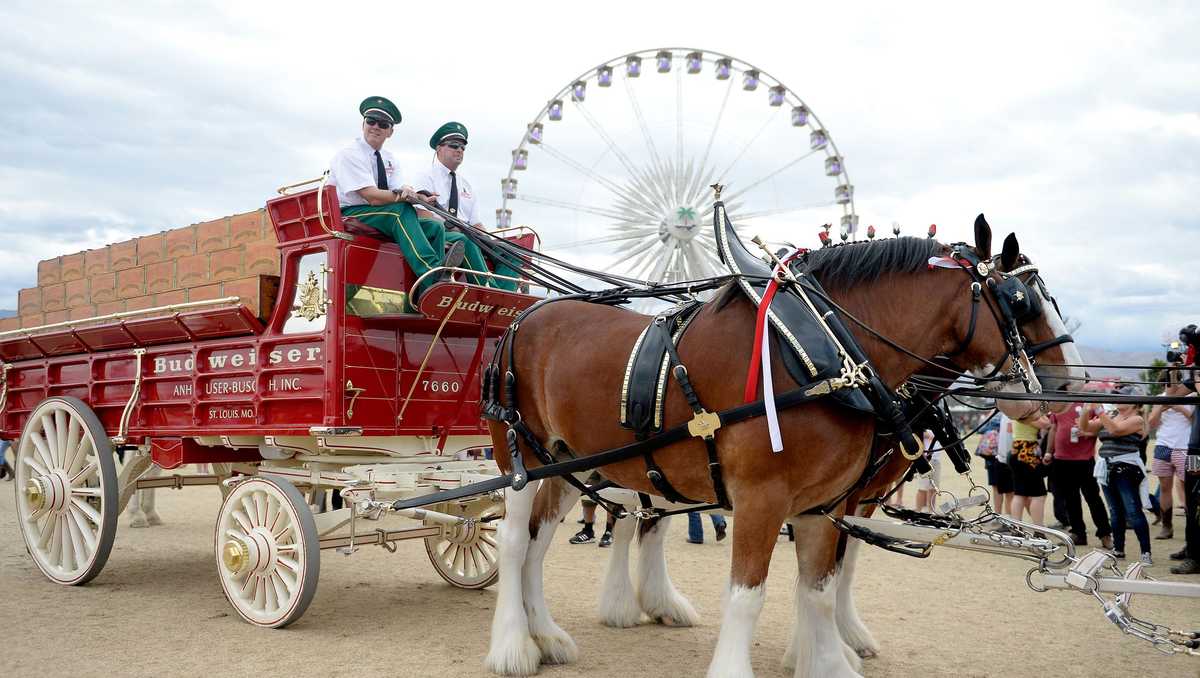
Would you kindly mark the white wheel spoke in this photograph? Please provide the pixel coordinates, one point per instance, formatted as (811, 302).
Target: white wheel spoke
(282, 590)
(489, 540)
(74, 434)
(85, 474)
(56, 541)
(39, 444)
(87, 510)
(51, 437)
(78, 550)
(250, 510)
(290, 563)
(60, 432)
(260, 594)
(34, 464)
(289, 580)
(86, 491)
(47, 533)
(89, 536)
(270, 595)
(286, 548)
(243, 520)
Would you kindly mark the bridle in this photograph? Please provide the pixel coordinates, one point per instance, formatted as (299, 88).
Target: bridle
(1015, 305)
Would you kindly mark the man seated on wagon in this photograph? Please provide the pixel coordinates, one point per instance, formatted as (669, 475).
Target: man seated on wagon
(455, 193)
(370, 189)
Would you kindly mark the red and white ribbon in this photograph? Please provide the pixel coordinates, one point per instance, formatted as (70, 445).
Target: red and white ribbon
(760, 358)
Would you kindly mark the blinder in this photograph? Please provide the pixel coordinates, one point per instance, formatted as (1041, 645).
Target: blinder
(1017, 301)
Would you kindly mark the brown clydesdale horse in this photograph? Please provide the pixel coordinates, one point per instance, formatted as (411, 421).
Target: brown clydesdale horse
(569, 358)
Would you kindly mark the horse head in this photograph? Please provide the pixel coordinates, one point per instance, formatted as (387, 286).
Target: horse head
(1039, 354)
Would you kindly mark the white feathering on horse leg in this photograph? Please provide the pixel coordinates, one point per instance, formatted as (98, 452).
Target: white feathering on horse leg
(741, 609)
(512, 651)
(657, 596)
(618, 600)
(817, 647)
(555, 644)
(854, 632)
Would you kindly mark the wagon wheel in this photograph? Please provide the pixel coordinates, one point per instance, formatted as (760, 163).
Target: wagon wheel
(268, 555)
(467, 555)
(66, 486)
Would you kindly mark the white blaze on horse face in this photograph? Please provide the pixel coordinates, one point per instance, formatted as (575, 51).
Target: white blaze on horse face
(741, 610)
(1071, 373)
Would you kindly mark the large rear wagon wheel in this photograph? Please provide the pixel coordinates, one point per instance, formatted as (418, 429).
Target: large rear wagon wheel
(66, 487)
(467, 556)
(268, 553)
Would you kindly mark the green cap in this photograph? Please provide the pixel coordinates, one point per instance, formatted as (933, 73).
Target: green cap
(379, 107)
(446, 132)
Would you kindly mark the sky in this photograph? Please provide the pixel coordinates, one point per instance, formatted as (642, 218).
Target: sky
(1077, 126)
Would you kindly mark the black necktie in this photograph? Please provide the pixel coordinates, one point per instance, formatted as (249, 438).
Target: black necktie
(381, 174)
(453, 194)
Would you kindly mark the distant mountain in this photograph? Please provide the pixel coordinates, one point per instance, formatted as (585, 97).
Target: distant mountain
(7, 314)
(1100, 356)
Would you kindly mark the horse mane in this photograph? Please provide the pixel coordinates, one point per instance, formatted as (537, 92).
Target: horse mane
(844, 266)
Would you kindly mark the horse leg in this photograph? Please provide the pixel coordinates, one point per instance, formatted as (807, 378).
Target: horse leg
(756, 527)
(817, 649)
(618, 601)
(512, 651)
(657, 596)
(854, 632)
(143, 499)
(555, 498)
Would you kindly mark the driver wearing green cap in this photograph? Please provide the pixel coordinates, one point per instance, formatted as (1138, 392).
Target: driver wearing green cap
(442, 178)
(370, 188)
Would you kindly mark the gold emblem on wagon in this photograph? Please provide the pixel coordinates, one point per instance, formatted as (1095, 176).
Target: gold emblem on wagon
(312, 300)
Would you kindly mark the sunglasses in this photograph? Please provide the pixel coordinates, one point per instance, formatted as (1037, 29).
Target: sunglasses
(456, 146)
(376, 122)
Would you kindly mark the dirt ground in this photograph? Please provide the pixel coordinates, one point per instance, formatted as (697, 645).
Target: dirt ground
(157, 609)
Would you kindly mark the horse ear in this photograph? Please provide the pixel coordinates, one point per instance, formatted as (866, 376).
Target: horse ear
(1008, 256)
(983, 237)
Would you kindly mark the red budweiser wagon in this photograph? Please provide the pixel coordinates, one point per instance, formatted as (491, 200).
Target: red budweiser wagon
(336, 385)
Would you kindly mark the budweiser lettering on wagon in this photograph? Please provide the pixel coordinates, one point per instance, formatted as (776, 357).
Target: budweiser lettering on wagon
(478, 307)
(238, 359)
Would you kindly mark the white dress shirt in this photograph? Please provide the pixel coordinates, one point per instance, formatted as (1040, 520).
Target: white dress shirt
(437, 180)
(353, 168)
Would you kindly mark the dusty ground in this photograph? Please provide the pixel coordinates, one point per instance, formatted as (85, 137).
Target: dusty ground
(157, 609)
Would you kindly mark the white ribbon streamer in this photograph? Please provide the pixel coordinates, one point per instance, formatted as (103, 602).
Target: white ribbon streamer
(769, 391)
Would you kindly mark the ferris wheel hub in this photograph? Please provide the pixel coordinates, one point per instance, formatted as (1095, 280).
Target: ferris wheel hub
(679, 224)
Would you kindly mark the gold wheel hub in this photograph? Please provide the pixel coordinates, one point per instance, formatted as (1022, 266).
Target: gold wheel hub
(235, 555)
(35, 495)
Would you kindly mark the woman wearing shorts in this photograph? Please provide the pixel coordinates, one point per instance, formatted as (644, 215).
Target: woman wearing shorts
(1173, 424)
(1028, 471)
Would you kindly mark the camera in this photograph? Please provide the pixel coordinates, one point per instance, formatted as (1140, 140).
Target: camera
(1176, 353)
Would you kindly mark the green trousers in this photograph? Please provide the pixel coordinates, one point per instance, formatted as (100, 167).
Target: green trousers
(423, 242)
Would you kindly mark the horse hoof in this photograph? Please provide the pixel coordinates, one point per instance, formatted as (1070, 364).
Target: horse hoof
(152, 518)
(867, 652)
(675, 612)
(521, 658)
(557, 649)
(139, 521)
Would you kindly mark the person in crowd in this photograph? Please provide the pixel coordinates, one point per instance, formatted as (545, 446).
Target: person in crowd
(1120, 469)
(587, 534)
(927, 483)
(1073, 460)
(370, 188)
(696, 527)
(999, 478)
(1190, 553)
(1172, 425)
(1004, 484)
(443, 178)
(6, 470)
(1028, 470)
(1058, 499)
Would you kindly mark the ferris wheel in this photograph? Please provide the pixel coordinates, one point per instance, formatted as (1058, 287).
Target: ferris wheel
(616, 167)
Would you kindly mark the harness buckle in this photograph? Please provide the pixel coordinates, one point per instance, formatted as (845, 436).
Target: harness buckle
(704, 424)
